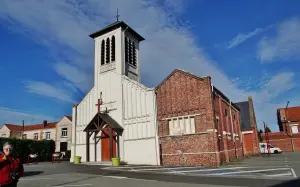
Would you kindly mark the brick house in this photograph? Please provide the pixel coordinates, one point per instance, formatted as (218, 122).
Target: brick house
(288, 139)
(289, 119)
(249, 127)
(197, 123)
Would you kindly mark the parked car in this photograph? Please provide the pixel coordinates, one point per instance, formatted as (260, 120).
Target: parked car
(273, 150)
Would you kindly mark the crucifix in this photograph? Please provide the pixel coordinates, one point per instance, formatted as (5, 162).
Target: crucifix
(99, 102)
(118, 15)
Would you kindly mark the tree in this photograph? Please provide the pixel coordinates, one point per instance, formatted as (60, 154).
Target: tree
(268, 129)
(259, 135)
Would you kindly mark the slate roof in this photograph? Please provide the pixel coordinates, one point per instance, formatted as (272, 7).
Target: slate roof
(244, 114)
(114, 26)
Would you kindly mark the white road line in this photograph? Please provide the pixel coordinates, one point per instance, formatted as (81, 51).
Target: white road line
(117, 177)
(69, 185)
(281, 174)
(25, 179)
(251, 171)
(293, 172)
(188, 167)
(217, 169)
(152, 169)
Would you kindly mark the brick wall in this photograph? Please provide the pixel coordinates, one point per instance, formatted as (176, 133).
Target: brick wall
(283, 141)
(254, 127)
(250, 141)
(182, 94)
(228, 128)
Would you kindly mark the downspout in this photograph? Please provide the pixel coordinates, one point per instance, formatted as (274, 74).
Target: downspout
(123, 106)
(75, 125)
(214, 122)
(158, 161)
(232, 131)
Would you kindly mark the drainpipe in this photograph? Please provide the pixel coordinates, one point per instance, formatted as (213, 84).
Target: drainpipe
(233, 135)
(214, 122)
(75, 125)
(158, 161)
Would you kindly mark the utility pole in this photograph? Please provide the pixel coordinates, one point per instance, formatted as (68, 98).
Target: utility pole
(22, 129)
(286, 128)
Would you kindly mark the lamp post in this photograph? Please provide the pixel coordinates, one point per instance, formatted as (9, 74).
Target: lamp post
(286, 129)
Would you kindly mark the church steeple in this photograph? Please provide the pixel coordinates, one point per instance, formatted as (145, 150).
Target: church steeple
(117, 49)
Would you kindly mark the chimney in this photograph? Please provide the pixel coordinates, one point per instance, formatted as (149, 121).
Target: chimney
(45, 123)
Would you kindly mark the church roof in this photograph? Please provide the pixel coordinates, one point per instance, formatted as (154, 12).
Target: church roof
(114, 26)
(106, 118)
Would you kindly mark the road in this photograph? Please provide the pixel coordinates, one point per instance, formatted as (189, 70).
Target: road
(242, 173)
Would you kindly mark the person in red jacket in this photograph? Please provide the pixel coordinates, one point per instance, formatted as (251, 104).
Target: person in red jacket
(11, 168)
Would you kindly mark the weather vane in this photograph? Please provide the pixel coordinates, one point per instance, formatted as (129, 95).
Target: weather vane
(118, 15)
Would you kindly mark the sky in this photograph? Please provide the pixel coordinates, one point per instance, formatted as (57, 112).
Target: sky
(249, 48)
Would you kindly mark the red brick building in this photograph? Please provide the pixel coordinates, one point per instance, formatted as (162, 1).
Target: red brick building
(197, 123)
(249, 127)
(288, 139)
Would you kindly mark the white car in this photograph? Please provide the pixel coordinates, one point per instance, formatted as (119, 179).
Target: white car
(274, 150)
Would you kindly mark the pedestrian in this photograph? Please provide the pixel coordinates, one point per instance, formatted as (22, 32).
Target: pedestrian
(11, 168)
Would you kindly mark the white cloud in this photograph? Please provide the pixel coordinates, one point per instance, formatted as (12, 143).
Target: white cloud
(243, 37)
(45, 89)
(11, 116)
(63, 27)
(284, 45)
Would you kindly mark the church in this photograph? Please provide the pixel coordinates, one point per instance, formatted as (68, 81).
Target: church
(117, 117)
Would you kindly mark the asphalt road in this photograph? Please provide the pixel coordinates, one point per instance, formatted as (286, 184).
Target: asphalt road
(65, 174)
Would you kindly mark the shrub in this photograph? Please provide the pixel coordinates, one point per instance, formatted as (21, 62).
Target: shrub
(22, 148)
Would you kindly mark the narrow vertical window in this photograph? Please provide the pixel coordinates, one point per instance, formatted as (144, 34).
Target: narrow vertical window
(126, 49)
(107, 50)
(133, 54)
(130, 51)
(102, 52)
(113, 49)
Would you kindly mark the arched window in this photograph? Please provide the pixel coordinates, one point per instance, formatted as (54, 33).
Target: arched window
(126, 49)
(102, 52)
(113, 49)
(130, 51)
(107, 50)
(133, 54)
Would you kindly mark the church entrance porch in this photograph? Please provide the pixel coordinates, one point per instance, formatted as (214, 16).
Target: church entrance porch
(110, 132)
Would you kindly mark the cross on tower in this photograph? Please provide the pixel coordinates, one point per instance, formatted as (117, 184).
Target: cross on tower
(99, 102)
(118, 15)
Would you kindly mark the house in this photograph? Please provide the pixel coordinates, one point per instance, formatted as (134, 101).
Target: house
(288, 137)
(117, 117)
(64, 134)
(35, 131)
(197, 124)
(11, 131)
(249, 127)
(289, 119)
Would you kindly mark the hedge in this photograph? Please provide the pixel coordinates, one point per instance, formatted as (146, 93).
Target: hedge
(22, 148)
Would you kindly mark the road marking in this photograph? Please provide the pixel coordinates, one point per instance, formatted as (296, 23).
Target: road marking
(281, 174)
(22, 179)
(251, 171)
(152, 169)
(117, 177)
(218, 169)
(293, 172)
(74, 185)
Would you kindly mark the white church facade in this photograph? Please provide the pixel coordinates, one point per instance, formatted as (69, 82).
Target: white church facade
(117, 118)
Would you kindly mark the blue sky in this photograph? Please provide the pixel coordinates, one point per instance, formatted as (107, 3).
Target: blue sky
(248, 48)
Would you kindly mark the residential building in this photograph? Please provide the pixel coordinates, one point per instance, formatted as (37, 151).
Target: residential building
(64, 134)
(289, 119)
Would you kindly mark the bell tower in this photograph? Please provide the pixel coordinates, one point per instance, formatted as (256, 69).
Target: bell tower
(117, 51)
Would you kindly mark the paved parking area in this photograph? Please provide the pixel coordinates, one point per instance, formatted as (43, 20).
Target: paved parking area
(69, 175)
(283, 166)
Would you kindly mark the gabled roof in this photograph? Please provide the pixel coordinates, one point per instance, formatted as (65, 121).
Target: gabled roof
(13, 127)
(183, 72)
(292, 113)
(114, 26)
(106, 118)
(69, 117)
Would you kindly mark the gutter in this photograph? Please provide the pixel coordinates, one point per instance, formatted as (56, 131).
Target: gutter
(232, 131)
(75, 125)
(158, 161)
(214, 122)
